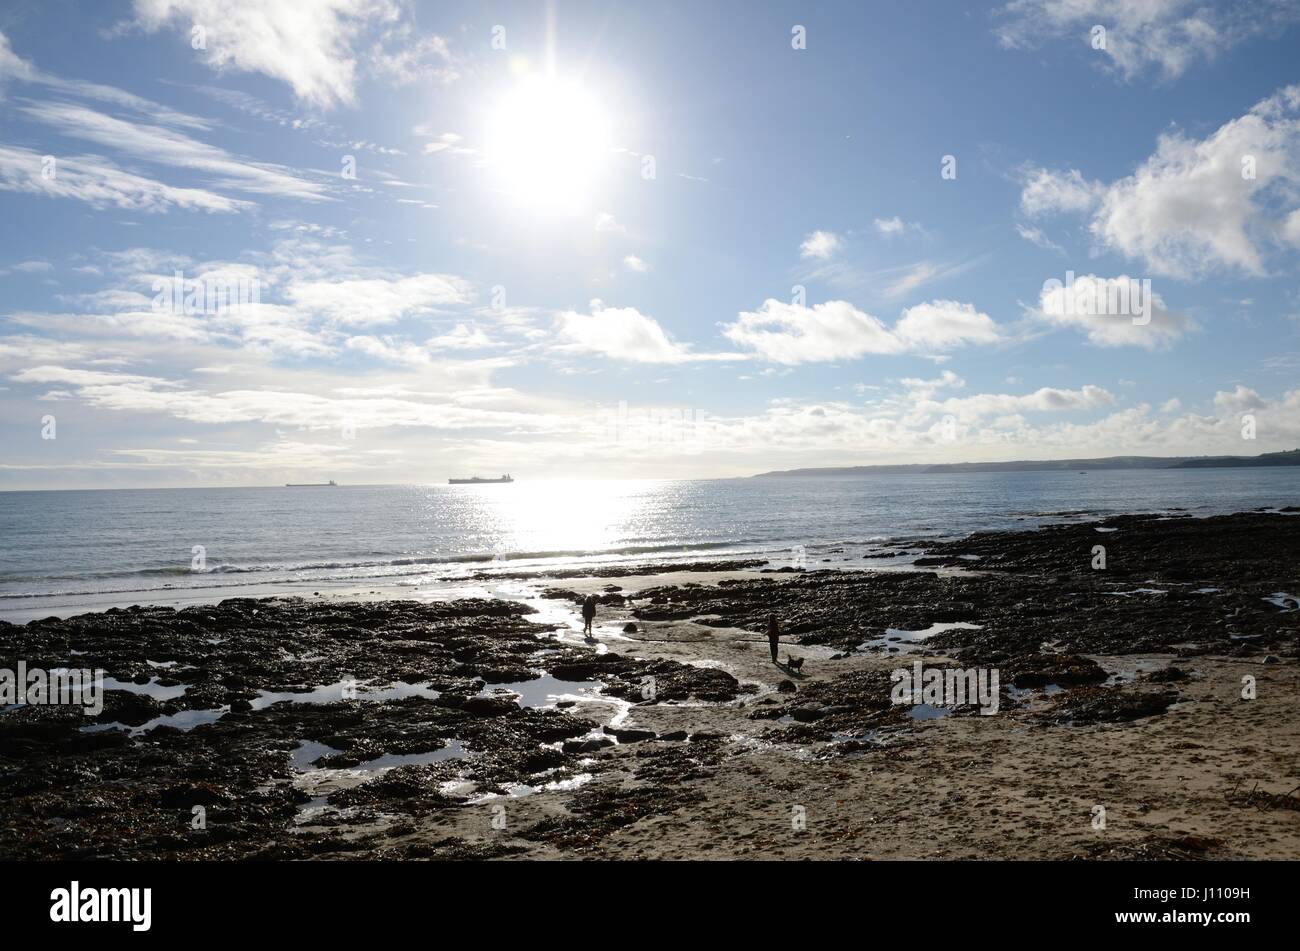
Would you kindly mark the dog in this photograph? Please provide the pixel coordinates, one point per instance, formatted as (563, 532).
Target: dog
(794, 663)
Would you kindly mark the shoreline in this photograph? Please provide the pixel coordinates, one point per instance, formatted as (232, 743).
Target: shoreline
(459, 576)
(1119, 689)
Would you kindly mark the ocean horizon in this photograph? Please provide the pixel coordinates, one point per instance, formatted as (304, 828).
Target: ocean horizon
(78, 550)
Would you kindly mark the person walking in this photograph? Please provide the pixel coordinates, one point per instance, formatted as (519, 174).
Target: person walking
(773, 634)
(588, 614)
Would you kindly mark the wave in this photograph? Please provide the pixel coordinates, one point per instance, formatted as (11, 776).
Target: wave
(368, 570)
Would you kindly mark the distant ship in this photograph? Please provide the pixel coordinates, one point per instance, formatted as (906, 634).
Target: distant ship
(477, 481)
(309, 485)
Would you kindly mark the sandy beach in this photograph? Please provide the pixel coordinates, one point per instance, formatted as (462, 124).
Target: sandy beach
(1145, 710)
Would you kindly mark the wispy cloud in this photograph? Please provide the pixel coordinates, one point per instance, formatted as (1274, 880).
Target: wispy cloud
(159, 145)
(101, 184)
(14, 67)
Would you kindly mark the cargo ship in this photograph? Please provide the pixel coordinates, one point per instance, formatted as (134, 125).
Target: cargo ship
(477, 481)
(309, 485)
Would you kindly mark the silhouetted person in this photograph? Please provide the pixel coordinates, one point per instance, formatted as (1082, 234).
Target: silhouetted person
(773, 634)
(588, 613)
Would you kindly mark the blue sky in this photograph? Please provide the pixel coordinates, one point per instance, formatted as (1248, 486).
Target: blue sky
(617, 240)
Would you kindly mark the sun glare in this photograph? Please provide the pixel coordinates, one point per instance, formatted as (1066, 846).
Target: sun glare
(548, 145)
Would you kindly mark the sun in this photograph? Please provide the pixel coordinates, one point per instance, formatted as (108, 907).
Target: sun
(548, 145)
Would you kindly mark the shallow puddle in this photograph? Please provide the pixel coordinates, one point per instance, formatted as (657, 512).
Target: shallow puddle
(307, 752)
(927, 711)
(184, 721)
(1023, 693)
(341, 691)
(906, 641)
(151, 689)
(1287, 602)
(187, 720)
(546, 691)
(321, 782)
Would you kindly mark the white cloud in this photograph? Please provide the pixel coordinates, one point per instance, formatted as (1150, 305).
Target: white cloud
(925, 389)
(1048, 192)
(944, 324)
(836, 330)
(1168, 36)
(13, 66)
(895, 226)
(401, 57)
(447, 142)
(1241, 400)
(300, 301)
(634, 263)
(449, 409)
(606, 222)
(1005, 409)
(1291, 228)
(624, 333)
(391, 351)
(819, 245)
(1080, 306)
(362, 302)
(462, 337)
(790, 333)
(310, 46)
(1195, 205)
(33, 267)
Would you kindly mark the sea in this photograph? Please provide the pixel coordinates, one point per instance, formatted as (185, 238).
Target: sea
(68, 552)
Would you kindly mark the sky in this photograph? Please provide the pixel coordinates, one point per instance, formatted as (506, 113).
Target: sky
(247, 243)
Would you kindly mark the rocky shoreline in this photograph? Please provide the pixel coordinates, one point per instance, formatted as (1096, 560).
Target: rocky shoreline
(479, 728)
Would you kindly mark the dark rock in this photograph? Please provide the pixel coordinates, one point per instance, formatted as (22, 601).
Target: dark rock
(807, 714)
(629, 736)
(1087, 705)
(189, 796)
(490, 706)
(1168, 675)
(587, 746)
(1038, 670)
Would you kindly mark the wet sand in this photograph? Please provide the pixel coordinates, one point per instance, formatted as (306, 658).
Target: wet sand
(492, 729)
